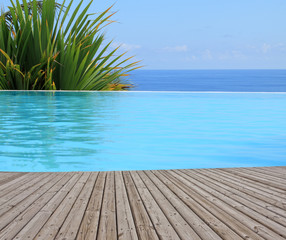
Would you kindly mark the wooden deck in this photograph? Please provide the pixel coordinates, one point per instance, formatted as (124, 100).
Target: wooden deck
(237, 203)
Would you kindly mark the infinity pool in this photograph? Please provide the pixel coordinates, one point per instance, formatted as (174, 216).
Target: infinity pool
(92, 131)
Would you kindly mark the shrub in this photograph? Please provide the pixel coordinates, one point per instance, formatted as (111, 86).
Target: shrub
(41, 49)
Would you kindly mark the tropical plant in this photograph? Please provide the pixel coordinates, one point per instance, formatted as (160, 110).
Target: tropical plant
(40, 49)
(8, 15)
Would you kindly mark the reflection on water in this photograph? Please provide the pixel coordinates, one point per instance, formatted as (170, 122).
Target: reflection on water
(43, 127)
(73, 131)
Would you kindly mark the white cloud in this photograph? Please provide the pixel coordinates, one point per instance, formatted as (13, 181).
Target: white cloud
(179, 48)
(233, 54)
(190, 58)
(130, 46)
(266, 47)
(207, 54)
(281, 46)
(126, 47)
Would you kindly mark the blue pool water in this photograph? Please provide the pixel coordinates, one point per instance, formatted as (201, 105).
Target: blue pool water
(90, 131)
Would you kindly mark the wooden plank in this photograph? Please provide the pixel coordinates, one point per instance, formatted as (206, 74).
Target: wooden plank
(263, 189)
(74, 218)
(20, 203)
(162, 225)
(16, 184)
(270, 171)
(258, 178)
(208, 212)
(280, 170)
(266, 177)
(189, 211)
(107, 223)
(8, 177)
(257, 184)
(182, 227)
(10, 194)
(5, 175)
(125, 223)
(37, 222)
(235, 203)
(21, 191)
(14, 180)
(10, 231)
(53, 225)
(239, 188)
(265, 173)
(90, 222)
(144, 226)
(228, 206)
(223, 192)
(227, 218)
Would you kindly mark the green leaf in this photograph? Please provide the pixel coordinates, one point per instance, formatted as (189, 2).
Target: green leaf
(40, 49)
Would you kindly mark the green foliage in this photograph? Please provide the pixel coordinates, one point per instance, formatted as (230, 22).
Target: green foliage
(40, 49)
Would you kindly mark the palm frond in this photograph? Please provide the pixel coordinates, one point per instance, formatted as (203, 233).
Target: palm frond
(41, 49)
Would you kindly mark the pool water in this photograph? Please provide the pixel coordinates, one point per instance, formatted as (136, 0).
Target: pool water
(92, 131)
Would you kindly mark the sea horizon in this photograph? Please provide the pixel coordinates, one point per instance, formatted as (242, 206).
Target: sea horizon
(232, 80)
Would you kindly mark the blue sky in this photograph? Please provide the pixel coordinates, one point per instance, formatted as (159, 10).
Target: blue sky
(205, 34)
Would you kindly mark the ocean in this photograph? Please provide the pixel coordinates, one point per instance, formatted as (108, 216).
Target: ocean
(209, 80)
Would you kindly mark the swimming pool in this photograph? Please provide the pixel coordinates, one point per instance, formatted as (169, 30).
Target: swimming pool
(92, 131)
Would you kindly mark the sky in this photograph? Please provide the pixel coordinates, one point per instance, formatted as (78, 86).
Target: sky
(192, 34)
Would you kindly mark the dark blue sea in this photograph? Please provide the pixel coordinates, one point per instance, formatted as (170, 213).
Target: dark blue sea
(210, 80)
